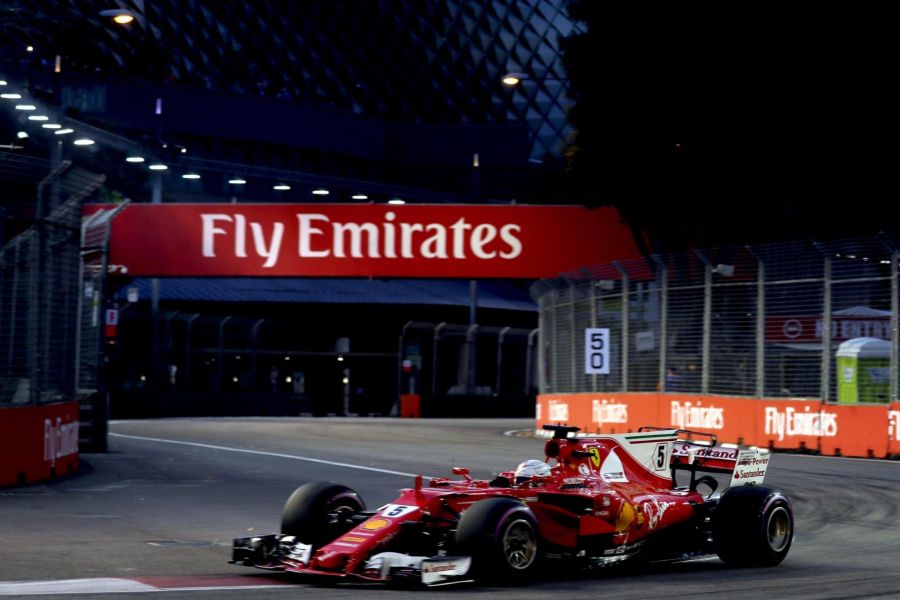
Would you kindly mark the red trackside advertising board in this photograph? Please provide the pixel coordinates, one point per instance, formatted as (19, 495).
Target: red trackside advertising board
(864, 430)
(365, 240)
(37, 442)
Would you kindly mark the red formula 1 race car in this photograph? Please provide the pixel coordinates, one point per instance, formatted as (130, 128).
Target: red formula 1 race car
(604, 500)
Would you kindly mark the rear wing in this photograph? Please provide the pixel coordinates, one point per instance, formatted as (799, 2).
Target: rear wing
(656, 451)
(746, 466)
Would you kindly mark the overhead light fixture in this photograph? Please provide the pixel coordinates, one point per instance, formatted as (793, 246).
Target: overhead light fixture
(359, 197)
(396, 201)
(174, 148)
(63, 131)
(22, 135)
(29, 48)
(26, 107)
(83, 142)
(38, 118)
(158, 167)
(513, 79)
(2, 82)
(11, 96)
(320, 192)
(120, 16)
(51, 126)
(190, 176)
(134, 159)
(237, 181)
(281, 186)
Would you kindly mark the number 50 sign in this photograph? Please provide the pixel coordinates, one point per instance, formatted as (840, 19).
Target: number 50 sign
(596, 351)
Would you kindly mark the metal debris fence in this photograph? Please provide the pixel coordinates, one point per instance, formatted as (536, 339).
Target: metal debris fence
(742, 321)
(40, 270)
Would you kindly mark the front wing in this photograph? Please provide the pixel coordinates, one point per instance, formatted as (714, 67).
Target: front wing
(276, 552)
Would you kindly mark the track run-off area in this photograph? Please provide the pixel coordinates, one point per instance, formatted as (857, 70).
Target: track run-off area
(157, 513)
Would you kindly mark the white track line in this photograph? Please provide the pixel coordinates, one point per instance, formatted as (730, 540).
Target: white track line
(272, 454)
(109, 585)
(106, 585)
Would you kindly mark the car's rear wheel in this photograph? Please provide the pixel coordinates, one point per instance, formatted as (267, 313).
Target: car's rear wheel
(317, 512)
(754, 526)
(501, 536)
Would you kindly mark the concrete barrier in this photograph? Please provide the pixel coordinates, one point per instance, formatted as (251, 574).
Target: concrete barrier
(863, 430)
(38, 442)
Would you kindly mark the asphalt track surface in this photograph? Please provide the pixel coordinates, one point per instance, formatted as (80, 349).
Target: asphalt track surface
(157, 517)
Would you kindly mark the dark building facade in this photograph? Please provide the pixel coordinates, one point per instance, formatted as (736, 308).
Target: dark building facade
(404, 94)
(265, 101)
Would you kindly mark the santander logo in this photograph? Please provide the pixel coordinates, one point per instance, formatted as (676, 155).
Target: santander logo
(318, 236)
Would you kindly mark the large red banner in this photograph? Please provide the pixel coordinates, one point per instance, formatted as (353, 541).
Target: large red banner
(365, 240)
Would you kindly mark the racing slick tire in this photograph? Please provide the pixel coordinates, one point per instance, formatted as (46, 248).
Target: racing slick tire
(501, 536)
(313, 513)
(754, 526)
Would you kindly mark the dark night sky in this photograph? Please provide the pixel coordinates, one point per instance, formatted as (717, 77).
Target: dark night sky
(727, 124)
(733, 128)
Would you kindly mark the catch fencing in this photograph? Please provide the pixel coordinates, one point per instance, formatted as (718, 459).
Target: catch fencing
(40, 270)
(40, 295)
(756, 321)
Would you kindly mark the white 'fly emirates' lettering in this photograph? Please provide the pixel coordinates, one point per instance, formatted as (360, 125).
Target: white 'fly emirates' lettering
(60, 439)
(791, 422)
(320, 237)
(696, 415)
(608, 411)
(894, 425)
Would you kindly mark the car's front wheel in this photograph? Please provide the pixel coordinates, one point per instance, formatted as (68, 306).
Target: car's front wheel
(317, 512)
(754, 526)
(501, 536)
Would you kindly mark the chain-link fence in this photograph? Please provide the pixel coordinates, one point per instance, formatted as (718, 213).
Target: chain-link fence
(40, 269)
(799, 320)
(469, 370)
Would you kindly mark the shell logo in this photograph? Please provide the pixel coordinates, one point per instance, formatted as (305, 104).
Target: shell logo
(626, 516)
(375, 524)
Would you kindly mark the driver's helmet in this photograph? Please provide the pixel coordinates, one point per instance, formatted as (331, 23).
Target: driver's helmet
(531, 468)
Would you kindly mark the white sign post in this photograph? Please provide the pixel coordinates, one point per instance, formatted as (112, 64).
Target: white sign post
(596, 351)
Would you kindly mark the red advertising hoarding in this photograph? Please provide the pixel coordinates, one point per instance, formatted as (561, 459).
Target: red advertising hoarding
(38, 442)
(871, 430)
(365, 240)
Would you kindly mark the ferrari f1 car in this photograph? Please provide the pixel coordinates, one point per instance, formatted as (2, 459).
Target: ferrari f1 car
(604, 500)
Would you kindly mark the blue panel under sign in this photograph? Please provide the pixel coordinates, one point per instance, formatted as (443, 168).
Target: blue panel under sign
(491, 294)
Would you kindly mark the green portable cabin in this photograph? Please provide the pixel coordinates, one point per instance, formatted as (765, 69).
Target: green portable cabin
(863, 370)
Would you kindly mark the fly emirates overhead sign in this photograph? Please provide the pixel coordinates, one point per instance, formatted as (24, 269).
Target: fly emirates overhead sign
(364, 240)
